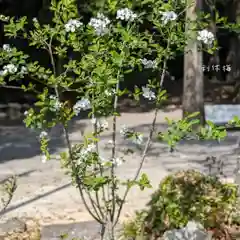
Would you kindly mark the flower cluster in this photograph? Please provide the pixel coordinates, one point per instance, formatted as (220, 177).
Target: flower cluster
(26, 113)
(4, 18)
(83, 104)
(148, 93)
(8, 69)
(72, 25)
(206, 37)
(6, 48)
(110, 93)
(136, 138)
(84, 153)
(100, 24)
(43, 158)
(117, 161)
(55, 104)
(126, 14)
(100, 124)
(125, 131)
(149, 63)
(168, 16)
(23, 70)
(43, 135)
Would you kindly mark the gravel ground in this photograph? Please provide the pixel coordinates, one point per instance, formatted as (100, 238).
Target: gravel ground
(44, 191)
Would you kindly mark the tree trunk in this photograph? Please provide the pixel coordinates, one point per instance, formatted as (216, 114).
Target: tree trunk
(193, 86)
(233, 57)
(214, 59)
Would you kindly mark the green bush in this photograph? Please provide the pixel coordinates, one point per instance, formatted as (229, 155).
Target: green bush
(181, 197)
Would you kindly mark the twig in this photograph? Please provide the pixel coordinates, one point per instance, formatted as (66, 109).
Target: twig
(10, 191)
(146, 147)
(114, 147)
(78, 180)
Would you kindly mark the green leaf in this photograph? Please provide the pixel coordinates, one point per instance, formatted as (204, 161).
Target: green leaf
(144, 182)
(193, 115)
(64, 236)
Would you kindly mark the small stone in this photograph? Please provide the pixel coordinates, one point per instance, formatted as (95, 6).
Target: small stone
(192, 231)
(13, 225)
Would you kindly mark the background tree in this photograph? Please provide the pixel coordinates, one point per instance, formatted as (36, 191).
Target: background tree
(193, 86)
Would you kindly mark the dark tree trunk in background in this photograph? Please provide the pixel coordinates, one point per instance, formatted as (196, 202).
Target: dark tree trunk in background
(193, 87)
(233, 57)
(215, 58)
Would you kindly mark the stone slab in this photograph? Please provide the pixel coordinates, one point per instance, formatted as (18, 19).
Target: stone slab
(222, 113)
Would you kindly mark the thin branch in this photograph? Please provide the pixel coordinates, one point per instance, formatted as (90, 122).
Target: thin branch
(65, 129)
(95, 206)
(11, 87)
(95, 130)
(10, 191)
(114, 147)
(146, 147)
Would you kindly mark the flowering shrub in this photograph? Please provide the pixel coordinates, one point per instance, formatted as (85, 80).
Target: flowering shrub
(182, 197)
(98, 56)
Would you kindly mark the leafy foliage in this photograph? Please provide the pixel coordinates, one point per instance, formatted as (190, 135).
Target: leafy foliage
(94, 59)
(182, 197)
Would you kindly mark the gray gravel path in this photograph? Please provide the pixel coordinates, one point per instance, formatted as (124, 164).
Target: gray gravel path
(45, 192)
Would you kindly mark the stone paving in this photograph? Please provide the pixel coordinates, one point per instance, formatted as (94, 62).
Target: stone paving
(44, 191)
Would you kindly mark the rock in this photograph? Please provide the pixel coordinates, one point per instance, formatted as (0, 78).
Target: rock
(11, 226)
(193, 231)
(15, 228)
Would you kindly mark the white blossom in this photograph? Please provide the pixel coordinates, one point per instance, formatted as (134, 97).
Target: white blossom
(168, 16)
(55, 104)
(110, 142)
(126, 14)
(137, 139)
(83, 104)
(110, 93)
(6, 47)
(43, 134)
(9, 69)
(3, 72)
(227, 180)
(148, 93)
(23, 70)
(100, 124)
(104, 124)
(206, 37)
(43, 158)
(100, 24)
(102, 160)
(35, 19)
(117, 161)
(91, 147)
(4, 18)
(124, 131)
(53, 97)
(94, 120)
(149, 63)
(25, 113)
(72, 25)
(85, 151)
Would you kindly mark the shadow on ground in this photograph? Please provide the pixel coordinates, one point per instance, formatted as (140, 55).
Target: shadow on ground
(17, 142)
(201, 155)
(82, 230)
(11, 208)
